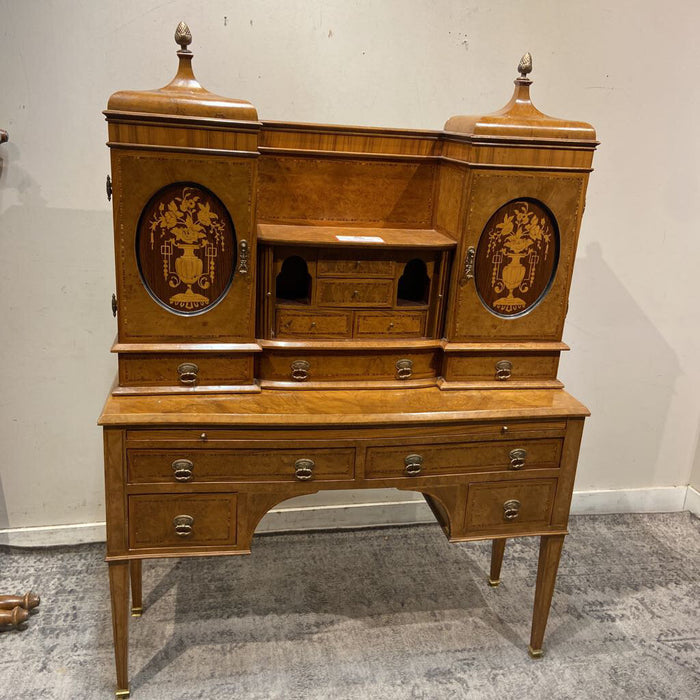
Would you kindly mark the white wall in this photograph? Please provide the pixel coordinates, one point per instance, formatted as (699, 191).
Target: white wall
(627, 67)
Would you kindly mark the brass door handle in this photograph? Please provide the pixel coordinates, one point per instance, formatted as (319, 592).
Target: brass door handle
(414, 464)
(504, 369)
(183, 469)
(468, 273)
(517, 458)
(188, 372)
(511, 509)
(184, 525)
(303, 469)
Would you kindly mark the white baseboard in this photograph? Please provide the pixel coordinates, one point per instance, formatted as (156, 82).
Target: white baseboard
(692, 501)
(664, 499)
(347, 510)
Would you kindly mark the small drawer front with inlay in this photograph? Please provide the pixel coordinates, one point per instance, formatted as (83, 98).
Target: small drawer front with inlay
(502, 368)
(337, 264)
(184, 371)
(245, 464)
(503, 506)
(355, 293)
(300, 324)
(206, 519)
(460, 457)
(376, 324)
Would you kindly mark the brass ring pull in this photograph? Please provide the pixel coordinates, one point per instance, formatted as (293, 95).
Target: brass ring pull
(183, 469)
(511, 509)
(504, 369)
(404, 369)
(517, 458)
(188, 373)
(303, 469)
(414, 464)
(183, 525)
(300, 370)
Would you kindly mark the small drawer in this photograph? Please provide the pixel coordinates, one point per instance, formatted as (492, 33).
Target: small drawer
(182, 521)
(461, 457)
(354, 293)
(497, 367)
(295, 324)
(184, 371)
(510, 505)
(245, 464)
(283, 366)
(376, 324)
(341, 263)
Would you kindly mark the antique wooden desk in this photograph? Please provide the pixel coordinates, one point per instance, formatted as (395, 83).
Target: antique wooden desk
(306, 307)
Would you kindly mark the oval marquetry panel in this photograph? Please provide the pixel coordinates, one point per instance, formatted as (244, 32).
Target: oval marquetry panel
(516, 258)
(186, 248)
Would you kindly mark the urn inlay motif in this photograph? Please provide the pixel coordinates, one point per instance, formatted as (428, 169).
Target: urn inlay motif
(517, 257)
(186, 248)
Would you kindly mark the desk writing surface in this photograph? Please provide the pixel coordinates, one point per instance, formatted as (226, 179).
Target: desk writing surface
(366, 407)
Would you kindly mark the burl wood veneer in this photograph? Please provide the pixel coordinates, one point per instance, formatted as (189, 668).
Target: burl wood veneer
(304, 307)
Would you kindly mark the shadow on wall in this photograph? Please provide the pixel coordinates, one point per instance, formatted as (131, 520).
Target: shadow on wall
(627, 378)
(56, 329)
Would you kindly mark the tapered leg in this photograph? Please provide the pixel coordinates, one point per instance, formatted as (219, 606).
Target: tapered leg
(550, 552)
(497, 549)
(136, 603)
(119, 590)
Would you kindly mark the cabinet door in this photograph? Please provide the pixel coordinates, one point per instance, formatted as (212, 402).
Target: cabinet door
(184, 247)
(513, 273)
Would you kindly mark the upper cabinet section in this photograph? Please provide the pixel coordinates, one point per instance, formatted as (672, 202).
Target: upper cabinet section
(520, 118)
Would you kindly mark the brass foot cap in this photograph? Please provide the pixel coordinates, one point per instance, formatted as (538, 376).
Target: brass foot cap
(124, 693)
(136, 612)
(535, 653)
(494, 582)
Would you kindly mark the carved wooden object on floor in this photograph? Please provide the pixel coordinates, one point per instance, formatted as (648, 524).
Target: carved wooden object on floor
(304, 307)
(13, 618)
(28, 601)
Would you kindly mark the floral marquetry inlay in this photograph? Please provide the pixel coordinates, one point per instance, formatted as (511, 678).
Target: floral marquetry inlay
(186, 248)
(517, 257)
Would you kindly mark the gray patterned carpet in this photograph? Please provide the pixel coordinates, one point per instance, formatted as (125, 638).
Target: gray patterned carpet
(391, 613)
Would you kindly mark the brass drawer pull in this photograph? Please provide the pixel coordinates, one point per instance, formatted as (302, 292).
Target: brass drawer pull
(300, 370)
(504, 368)
(304, 469)
(404, 369)
(517, 458)
(188, 372)
(414, 464)
(183, 525)
(183, 469)
(511, 509)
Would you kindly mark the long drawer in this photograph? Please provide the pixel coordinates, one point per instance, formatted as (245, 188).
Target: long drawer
(243, 464)
(284, 366)
(195, 520)
(432, 459)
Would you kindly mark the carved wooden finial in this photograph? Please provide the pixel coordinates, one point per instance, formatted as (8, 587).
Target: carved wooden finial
(525, 65)
(183, 36)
